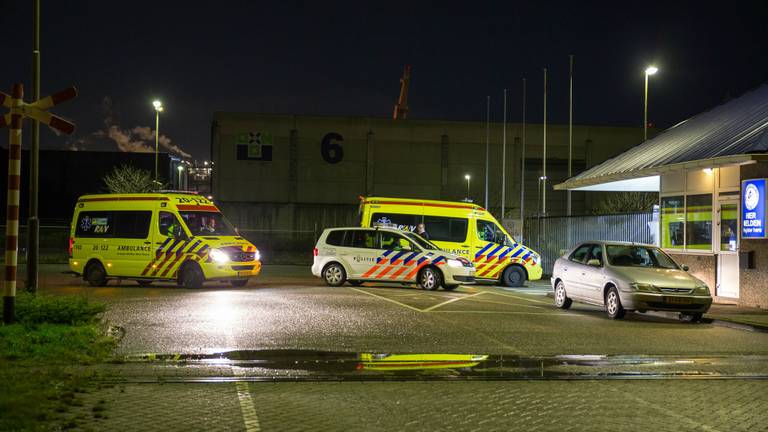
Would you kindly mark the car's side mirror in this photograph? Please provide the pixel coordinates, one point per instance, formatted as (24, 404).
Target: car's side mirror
(594, 262)
(684, 267)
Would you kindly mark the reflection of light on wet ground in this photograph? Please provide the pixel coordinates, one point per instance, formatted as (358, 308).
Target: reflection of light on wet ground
(221, 314)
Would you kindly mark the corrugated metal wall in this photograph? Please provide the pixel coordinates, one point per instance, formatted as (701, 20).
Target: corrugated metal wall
(551, 236)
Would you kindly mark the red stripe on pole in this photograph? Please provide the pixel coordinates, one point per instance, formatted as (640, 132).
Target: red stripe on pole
(16, 121)
(11, 242)
(10, 273)
(13, 212)
(17, 91)
(14, 181)
(14, 152)
(64, 95)
(61, 125)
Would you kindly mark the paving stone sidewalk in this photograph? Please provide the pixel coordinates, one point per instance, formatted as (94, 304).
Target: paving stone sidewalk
(606, 405)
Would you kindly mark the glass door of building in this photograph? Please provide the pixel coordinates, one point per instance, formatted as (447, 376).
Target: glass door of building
(728, 253)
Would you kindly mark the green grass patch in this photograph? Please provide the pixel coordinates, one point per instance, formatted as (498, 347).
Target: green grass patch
(42, 359)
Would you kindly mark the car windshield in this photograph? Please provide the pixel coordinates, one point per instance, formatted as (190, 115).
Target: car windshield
(203, 223)
(639, 256)
(419, 240)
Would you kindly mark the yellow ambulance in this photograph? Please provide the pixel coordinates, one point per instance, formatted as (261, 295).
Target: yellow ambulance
(460, 228)
(149, 237)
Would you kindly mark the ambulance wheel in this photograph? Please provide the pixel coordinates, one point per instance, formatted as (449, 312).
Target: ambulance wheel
(514, 276)
(191, 276)
(334, 275)
(144, 283)
(430, 279)
(239, 283)
(450, 287)
(95, 274)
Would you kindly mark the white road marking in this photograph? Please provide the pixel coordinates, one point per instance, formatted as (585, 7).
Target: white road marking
(388, 299)
(247, 407)
(431, 308)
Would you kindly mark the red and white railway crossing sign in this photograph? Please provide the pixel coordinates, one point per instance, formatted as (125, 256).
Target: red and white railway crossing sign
(19, 110)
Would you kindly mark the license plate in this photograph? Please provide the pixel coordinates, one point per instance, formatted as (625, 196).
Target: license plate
(678, 300)
(244, 273)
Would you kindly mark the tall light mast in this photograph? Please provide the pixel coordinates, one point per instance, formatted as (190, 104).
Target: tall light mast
(401, 107)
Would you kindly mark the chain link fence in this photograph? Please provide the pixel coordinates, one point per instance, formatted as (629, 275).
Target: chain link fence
(551, 236)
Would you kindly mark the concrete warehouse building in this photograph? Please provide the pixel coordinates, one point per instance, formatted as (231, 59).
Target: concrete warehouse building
(710, 171)
(294, 172)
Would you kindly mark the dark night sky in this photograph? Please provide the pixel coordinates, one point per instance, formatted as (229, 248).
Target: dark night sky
(346, 59)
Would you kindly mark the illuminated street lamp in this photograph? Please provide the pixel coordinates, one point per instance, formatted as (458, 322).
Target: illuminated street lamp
(650, 70)
(158, 109)
(181, 170)
(467, 177)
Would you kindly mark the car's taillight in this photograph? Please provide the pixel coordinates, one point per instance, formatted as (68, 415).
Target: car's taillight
(71, 246)
(314, 252)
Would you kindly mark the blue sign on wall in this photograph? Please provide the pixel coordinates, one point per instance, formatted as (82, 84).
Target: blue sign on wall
(753, 208)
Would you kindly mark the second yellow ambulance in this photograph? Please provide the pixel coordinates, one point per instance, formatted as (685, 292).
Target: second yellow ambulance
(460, 228)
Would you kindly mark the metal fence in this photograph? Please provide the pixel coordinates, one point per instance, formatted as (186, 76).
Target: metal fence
(551, 236)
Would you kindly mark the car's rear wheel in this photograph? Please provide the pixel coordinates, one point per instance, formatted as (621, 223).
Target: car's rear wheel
(95, 274)
(191, 276)
(238, 283)
(430, 279)
(561, 298)
(613, 304)
(513, 276)
(334, 275)
(690, 317)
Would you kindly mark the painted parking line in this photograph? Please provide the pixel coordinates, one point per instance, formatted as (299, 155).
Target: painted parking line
(431, 308)
(518, 297)
(387, 299)
(511, 313)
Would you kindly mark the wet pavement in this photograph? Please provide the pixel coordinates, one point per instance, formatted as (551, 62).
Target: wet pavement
(288, 353)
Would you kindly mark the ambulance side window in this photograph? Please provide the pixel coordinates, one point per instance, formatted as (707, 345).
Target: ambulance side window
(132, 224)
(490, 232)
(392, 241)
(167, 221)
(95, 224)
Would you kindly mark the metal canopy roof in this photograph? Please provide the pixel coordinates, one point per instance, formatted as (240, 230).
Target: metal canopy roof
(734, 132)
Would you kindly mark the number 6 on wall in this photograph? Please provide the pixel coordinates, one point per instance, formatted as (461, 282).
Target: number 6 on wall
(331, 148)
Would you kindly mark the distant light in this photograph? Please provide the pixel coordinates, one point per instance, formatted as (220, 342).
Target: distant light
(543, 178)
(158, 105)
(205, 163)
(707, 170)
(467, 176)
(651, 70)
(210, 197)
(180, 168)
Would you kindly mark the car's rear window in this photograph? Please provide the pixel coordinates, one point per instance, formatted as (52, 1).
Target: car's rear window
(335, 238)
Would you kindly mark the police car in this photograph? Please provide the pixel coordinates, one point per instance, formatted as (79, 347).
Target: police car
(357, 255)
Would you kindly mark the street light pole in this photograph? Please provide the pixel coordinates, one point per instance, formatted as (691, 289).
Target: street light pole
(158, 109)
(467, 177)
(181, 169)
(33, 224)
(648, 71)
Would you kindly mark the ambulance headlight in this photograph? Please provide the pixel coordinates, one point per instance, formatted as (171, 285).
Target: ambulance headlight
(219, 256)
(257, 256)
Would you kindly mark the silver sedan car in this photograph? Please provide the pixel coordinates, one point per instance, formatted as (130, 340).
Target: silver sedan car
(628, 276)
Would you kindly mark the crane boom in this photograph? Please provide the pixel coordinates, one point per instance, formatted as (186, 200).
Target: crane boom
(401, 107)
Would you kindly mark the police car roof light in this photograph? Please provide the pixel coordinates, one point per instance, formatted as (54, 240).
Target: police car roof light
(177, 192)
